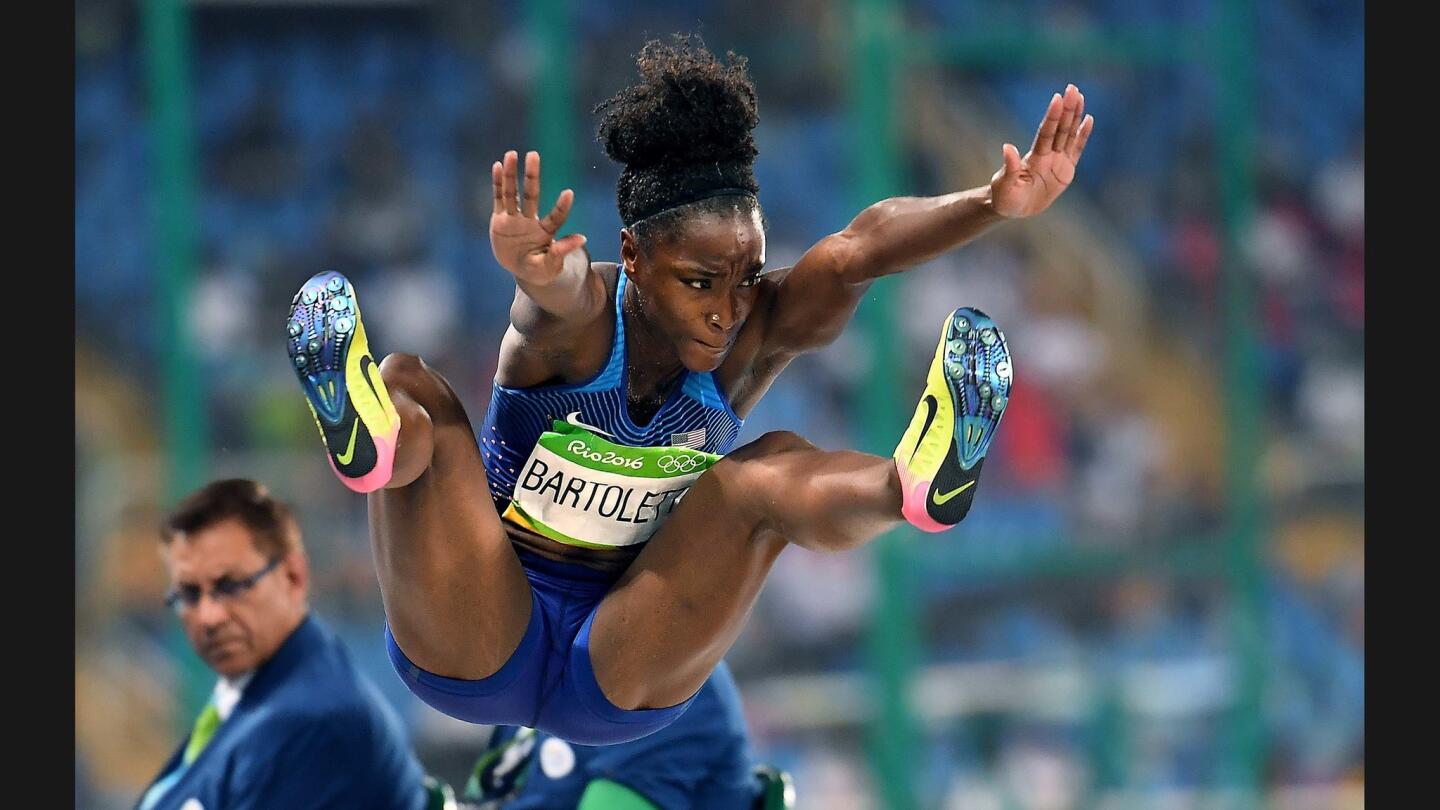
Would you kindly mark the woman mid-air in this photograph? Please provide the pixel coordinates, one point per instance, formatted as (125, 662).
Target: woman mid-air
(584, 565)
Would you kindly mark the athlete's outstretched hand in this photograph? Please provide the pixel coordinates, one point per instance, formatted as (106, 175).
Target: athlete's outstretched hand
(1026, 186)
(523, 243)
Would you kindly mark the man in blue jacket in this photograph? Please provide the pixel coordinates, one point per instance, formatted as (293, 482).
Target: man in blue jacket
(291, 723)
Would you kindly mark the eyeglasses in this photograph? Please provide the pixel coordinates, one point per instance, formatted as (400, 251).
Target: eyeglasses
(224, 589)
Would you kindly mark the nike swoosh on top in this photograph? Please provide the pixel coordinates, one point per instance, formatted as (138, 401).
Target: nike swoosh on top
(344, 458)
(929, 417)
(941, 499)
(573, 418)
(366, 363)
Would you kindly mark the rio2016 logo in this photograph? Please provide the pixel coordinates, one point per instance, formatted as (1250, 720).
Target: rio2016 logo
(608, 457)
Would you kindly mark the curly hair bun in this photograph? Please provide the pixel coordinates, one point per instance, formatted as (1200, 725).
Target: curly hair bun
(683, 132)
(689, 108)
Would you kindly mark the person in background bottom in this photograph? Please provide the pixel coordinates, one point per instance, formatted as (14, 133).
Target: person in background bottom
(291, 723)
(702, 761)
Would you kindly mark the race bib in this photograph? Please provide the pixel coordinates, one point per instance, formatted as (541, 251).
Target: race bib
(579, 489)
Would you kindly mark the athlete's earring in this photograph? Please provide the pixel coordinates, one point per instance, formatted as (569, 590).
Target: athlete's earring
(714, 317)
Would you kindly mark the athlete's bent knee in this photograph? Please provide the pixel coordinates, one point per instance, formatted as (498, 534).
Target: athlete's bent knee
(404, 371)
(413, 376)
(750, 480)
(772, 443)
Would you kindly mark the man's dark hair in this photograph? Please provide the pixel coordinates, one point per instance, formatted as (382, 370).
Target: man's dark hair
(272, 527)
(684, 136)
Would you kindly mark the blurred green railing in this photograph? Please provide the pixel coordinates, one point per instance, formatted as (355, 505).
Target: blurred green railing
(880, 50)
(166, 32)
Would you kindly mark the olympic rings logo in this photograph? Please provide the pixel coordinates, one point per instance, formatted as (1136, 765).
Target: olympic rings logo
(678, 464)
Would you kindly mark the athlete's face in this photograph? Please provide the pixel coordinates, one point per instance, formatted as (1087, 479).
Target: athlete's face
(699, 286)
(237, 632)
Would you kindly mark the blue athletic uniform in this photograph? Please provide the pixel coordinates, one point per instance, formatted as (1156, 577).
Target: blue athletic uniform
(548, 683)
(703, 761)
(308, 731)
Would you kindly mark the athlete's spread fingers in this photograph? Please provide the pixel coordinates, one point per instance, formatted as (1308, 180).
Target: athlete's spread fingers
(498, 182)
(1076, 122)
(555, 220)
(1086, 127)
(1067, 119)
(569, 243)
(531, 205)
(1013, 164)
(1045, 136)
(509, 190)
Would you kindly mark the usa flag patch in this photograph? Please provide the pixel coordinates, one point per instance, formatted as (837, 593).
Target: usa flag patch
(693, 439)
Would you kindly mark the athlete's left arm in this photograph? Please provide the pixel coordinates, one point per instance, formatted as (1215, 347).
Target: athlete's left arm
(818, 296)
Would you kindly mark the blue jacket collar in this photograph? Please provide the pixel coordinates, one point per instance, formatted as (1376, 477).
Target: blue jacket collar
(293, 651)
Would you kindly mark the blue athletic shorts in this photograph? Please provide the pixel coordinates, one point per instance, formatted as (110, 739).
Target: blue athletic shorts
(548, 683)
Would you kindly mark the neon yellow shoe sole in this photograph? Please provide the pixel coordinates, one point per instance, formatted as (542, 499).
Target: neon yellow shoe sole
(342, 383)
(940, 456)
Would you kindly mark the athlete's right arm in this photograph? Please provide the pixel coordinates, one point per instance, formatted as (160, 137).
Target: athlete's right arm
(557, 293)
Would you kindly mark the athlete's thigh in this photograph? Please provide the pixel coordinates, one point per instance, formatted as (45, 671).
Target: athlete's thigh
(680, 605)
(455, 594)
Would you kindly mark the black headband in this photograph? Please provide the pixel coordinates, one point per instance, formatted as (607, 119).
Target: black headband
(660, 188)
(703, 194)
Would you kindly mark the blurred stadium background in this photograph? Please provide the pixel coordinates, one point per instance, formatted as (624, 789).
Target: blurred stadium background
(1158, 601)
